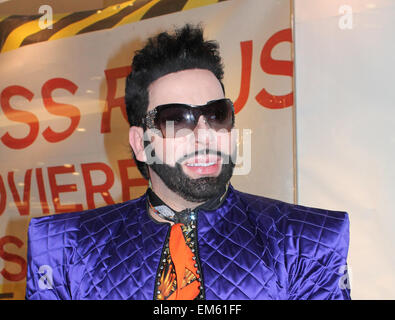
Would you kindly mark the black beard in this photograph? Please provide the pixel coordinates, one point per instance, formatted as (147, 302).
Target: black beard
(195, 190)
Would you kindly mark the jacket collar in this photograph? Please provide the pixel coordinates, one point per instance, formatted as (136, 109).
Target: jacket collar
(161, 209)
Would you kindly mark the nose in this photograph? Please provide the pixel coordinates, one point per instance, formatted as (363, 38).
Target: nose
(203, 133)
(202, 123)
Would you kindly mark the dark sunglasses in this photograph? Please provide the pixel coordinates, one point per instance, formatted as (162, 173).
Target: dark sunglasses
(219, 114)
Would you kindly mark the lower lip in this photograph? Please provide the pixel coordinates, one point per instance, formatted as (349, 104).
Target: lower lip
(207, 170)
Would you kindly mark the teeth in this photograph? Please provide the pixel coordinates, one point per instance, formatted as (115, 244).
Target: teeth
(200, 164)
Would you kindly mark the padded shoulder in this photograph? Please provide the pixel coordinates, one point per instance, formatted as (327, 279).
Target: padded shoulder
(51, 240)
(54, 243)
(314, 243)
(315, 225)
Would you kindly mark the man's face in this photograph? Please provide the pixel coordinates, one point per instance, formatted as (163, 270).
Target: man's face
(197, 165)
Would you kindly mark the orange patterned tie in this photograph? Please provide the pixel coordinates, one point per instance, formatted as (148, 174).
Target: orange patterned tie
(179, 276)
(181, 256)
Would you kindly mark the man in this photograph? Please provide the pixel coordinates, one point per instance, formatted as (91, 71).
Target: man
(192, 235)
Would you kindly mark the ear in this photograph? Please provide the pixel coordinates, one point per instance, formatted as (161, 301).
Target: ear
(136, 140)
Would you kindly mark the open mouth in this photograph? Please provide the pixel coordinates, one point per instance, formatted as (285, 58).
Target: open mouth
(201, 164)
(207, 165)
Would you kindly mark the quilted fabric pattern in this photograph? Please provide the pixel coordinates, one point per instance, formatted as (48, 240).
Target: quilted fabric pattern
(259, 248)
(106, 253)
(249, 248)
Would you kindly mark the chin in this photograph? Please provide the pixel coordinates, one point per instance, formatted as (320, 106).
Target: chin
(195, 189)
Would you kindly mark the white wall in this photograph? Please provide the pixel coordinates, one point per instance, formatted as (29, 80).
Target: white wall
(345, 120)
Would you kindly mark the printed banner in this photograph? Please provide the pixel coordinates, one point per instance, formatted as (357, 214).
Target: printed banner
(63, 128)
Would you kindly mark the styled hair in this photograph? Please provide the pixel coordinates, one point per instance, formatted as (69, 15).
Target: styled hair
(163, 54)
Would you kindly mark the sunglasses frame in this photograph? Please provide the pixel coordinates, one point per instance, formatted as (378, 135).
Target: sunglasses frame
(149, 119)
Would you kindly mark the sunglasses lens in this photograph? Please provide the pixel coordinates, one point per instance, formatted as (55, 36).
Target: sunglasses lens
(183, 118)
(177, 116)
(219, 114)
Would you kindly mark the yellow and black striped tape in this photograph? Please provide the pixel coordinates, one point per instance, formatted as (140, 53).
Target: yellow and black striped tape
(17, 31)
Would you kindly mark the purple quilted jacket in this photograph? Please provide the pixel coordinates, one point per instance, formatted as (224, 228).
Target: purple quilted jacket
(250, 248)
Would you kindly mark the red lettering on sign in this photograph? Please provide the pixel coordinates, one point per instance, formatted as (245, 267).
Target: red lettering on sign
(3, 195)
(103, 189)
(57, 189)
(276, 67)
(111, 101)
(23, 206)
(59, 109)
(12, 258)
(18, 116)
(246, 65)
(41, 191)
(126, 181)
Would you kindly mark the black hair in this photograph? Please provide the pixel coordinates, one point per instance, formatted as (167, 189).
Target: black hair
(163, 54)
